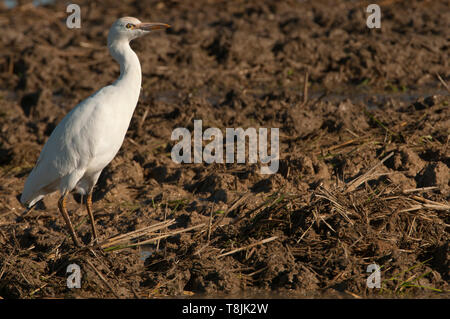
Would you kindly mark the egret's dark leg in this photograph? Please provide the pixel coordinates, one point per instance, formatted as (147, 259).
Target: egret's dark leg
(63, 210)
(91, 215)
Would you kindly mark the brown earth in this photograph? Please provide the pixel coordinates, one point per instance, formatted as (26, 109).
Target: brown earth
(364, 163)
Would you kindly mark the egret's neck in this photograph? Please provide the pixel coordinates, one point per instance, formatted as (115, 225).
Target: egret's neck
(130, 68)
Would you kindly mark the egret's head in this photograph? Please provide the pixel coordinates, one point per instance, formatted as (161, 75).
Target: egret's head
(129, 28)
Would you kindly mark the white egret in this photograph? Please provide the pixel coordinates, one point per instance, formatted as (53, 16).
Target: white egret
(91, 134)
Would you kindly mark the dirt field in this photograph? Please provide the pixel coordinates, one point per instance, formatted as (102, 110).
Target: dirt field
(364, 157)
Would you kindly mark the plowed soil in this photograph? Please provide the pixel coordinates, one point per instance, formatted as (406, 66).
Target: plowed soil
(364, 155)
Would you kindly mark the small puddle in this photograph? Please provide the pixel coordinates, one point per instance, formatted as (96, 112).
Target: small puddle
(9, 4)
(372, 99)
(146, 251)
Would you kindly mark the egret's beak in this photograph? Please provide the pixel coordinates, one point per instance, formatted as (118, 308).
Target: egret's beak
(150, 26)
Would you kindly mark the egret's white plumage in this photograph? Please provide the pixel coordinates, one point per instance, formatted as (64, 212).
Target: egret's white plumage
(91, 134)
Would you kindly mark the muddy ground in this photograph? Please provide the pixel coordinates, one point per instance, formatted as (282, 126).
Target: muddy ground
(364, 157)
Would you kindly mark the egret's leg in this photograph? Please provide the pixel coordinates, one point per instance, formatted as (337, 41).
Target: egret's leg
(63, 210)
(91, 215)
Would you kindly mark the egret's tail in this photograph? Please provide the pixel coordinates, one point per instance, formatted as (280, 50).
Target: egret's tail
(38, 184)
(31, 193)
(29, 202)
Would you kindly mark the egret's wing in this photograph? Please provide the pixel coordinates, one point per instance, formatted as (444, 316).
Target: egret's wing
(67, 149)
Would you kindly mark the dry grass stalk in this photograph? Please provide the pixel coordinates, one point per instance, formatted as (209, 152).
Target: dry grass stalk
(443, 82)
(323, 193)
(354, 184)
(210, 223)
(126, 241)
(305, 232)
(257, 271)
(264, 241)
(99, 274)
(427, 201)
(235, 205)
(165, 218)
(349, 142)
(305, 88)
(137, 233)
(429, 206)
(421, 189)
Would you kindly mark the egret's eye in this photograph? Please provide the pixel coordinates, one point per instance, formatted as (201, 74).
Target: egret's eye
(129, 26)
